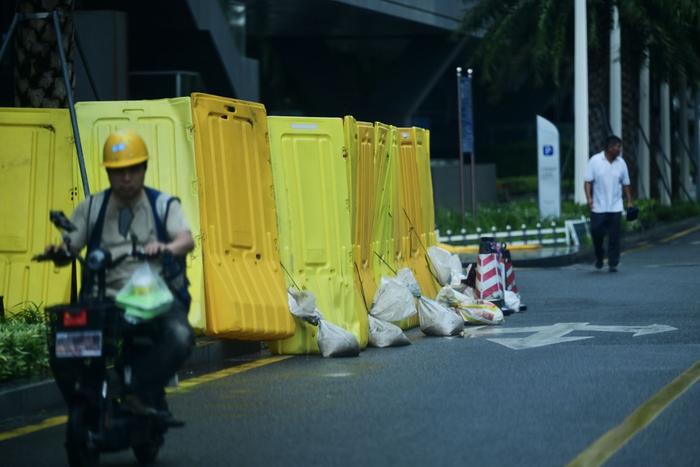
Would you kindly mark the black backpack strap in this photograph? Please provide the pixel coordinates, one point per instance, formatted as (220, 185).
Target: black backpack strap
(95, 237)
(161, 232)
(167, 208)
(174, 268)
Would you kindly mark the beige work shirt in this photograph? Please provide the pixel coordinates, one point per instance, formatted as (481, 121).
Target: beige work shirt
(142, 225)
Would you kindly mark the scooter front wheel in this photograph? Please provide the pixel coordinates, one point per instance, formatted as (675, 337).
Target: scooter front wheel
(147, 453)
(78, 449)
(146, 449)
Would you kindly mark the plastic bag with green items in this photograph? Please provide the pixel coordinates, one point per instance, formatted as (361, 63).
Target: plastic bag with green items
(145, 296)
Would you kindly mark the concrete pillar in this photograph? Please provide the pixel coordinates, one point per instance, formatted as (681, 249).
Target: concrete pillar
(664, 158)
(615, 76)
(580, 100)
(643, 134)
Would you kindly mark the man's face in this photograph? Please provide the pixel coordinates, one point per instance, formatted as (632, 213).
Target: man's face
(127, 182)
(615, 150)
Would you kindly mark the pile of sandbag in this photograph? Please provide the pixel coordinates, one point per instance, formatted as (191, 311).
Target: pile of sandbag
(395, 300)
(333, 341)
(480, 296)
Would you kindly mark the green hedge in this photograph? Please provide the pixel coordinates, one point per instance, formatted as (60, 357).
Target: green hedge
(516, 213)
(23, 351)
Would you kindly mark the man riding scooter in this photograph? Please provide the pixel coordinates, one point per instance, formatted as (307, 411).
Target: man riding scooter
(130, 214)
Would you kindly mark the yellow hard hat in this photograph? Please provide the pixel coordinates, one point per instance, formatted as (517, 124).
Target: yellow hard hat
(124, 148)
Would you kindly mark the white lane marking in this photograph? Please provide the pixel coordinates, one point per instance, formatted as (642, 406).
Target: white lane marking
(555, 334)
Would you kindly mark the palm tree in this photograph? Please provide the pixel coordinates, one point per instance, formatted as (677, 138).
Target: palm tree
(38, 74)
(532, 40)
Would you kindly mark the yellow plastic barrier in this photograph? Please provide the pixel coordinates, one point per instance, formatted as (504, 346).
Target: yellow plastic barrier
(388, 255)
(166, 126)
(311, 188)
(37, 174)
(426, 187)
(362, 156)
(245, 289)
(383, 242)
(350, 133)
(414, 239)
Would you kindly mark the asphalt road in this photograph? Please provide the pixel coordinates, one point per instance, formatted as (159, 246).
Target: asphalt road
(466, 401)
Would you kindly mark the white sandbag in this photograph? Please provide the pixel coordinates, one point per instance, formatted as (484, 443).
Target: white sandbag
(512, 300)
(469, 292)
(437, 320)
(334, 341)
(302, 304)
(406, 277)
(481, 313)
(385, 334)
(452, 298)
(393, 301)
(457, 274)
(472, 311)
(440, 260)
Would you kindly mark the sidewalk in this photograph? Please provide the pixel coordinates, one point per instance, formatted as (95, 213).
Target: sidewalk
(19, 398)
(563, 256)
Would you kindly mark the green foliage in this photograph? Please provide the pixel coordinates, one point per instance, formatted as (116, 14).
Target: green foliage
(534, 38)
(516, 213)
(651, 213)
(27, 312)
(23, 349)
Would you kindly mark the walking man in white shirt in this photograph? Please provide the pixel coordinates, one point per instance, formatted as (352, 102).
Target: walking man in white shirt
(606, 178)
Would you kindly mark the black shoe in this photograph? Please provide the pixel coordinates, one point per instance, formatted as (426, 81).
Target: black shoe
(599, 264)
(612, 268)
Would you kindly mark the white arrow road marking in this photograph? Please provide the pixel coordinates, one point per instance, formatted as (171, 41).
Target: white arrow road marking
(637, 330)
(554, 334)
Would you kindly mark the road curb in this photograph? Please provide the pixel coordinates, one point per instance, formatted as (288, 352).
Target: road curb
(20, 398)
(629, 240)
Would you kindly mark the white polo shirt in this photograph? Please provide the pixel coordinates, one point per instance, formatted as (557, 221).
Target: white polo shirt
(607, 180)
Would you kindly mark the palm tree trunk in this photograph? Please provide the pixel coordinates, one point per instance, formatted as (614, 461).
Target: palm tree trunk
(38, 74)
(598, 89)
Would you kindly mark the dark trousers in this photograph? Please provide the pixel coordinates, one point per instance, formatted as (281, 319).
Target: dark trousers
(602, 224)
(173, 340)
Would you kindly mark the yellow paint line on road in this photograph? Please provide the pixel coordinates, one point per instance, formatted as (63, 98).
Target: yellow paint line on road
(25, 430)
(680, 234)
(612, 441)
(184, 386)
(188, 384)
(641, 247)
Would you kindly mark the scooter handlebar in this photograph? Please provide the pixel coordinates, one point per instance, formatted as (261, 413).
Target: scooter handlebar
(58, 256)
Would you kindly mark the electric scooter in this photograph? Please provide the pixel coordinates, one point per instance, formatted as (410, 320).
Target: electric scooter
(91, 344)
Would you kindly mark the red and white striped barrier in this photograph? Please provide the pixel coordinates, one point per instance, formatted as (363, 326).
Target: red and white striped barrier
(510, 275)
(488, 278)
